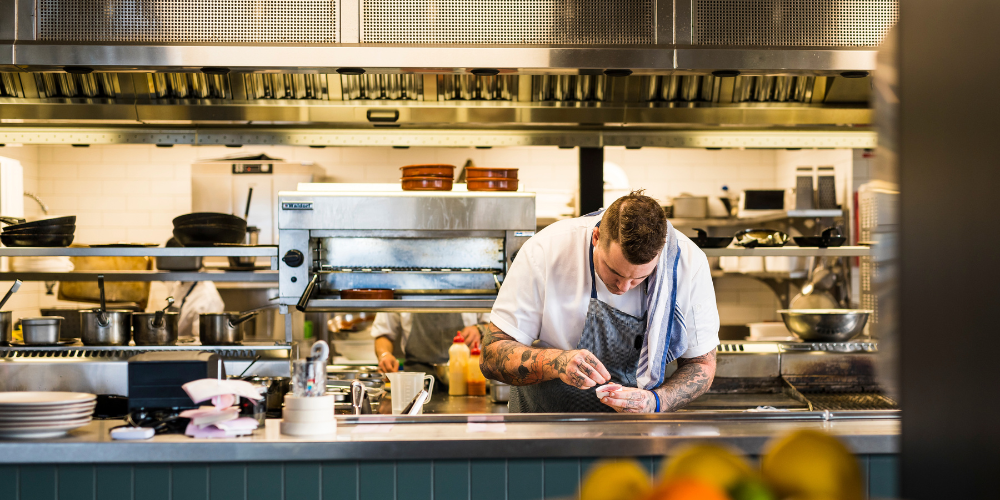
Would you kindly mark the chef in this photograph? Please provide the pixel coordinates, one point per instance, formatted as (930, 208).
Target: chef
(196, 297)
(594, 309)
(423, 337)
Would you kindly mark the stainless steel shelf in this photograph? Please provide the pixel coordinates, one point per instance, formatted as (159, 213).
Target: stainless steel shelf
(751, 221)
(235, 251)
(763, 274)
(788, 252)
(403, 305)
(216, 276)
(117, 351)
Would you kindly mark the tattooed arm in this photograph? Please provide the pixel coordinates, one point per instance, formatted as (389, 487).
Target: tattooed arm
(692, 379)
(512, 362)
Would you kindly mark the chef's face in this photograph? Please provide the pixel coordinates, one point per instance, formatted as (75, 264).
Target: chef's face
(617, 273)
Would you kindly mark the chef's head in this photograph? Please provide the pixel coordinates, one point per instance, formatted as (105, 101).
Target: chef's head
(629, 240)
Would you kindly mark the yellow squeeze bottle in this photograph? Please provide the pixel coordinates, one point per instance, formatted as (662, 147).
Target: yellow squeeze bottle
(458, 362)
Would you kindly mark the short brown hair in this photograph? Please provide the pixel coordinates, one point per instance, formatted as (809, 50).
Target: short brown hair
(637, 223)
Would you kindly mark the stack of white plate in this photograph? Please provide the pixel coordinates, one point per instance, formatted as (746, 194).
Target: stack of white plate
(44, 414)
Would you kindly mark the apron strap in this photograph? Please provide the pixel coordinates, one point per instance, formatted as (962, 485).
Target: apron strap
(593, 277)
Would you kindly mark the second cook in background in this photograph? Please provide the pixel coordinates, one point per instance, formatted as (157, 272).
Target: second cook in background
(424, 337)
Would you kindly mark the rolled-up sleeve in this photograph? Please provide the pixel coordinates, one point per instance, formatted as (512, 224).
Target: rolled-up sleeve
(387, 325)
(703, 334)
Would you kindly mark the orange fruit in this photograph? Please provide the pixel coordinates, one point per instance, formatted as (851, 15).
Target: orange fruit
(687, 488)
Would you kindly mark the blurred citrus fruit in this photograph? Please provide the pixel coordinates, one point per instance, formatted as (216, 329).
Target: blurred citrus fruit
(751, 489)
(710, 463)
(616, 480)
(687, 488)
(812, 464)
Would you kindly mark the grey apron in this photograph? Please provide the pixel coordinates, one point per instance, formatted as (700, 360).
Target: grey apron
(610, 334)
(431, 334)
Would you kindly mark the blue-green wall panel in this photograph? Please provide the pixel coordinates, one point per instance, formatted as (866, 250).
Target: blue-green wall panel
(189, 482)
(524, 479)
(114, 482)
(76, 482)
(340, 480)
(451, 480)
(489, 479)
(226, 482)
(562, 477)
(264, 481)
(302, 481)
(883, 476)
(152, 482)
(416, 480)
(377, 480)
(38, 482)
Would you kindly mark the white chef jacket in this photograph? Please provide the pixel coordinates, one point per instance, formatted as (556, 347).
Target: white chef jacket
(394, 325)
(546, 293)
(204, 298)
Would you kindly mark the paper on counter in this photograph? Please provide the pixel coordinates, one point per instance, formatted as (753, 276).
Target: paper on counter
(208, 415)
(208, 388)
(211, 431)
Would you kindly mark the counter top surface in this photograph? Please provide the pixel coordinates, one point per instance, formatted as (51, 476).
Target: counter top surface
(380, 437)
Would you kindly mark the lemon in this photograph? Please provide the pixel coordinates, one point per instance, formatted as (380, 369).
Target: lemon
(812, 464)
(710, 463)
(616, 480)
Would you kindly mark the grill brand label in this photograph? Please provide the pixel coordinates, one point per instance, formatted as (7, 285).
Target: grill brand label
(296, 205)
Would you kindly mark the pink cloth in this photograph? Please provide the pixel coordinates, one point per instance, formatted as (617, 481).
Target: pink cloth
(211, 431)
(207, 415)
(208, 388)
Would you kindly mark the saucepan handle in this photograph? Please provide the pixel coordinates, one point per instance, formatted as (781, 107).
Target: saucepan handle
(307, 294)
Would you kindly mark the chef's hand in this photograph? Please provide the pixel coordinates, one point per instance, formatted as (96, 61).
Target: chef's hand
(388, 363)
(581, 369)
(630, 400)
(471, 335)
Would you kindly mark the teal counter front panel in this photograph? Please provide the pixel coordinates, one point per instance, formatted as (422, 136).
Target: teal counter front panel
(476, 479)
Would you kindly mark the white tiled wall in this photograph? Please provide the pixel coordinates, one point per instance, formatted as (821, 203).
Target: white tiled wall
(132, 192)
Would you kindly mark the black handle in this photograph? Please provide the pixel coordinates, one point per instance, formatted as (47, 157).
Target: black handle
(233, 323)
(702, 234)
(830, 232)
(307, 294)
(102, 316)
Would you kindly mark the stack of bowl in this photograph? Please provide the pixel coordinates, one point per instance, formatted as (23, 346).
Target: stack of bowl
(491, 179)
(429, 177)
(56, 232)
(205, 229)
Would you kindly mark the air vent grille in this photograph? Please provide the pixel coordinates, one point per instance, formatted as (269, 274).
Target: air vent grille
(185, 21)
(782, 23)
(611, 22)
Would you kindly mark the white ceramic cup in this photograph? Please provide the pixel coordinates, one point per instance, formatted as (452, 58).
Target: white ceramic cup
(406, 386)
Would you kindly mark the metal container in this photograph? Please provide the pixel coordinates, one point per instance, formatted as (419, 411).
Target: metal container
(41, 331)
(499, 391)
(825, 325)
(118, 330)
(6, 327)
(251, 239)
(222, 328)
(442, 373)
(70, 329)
(690, 207)
(146, 332)
(345, 372)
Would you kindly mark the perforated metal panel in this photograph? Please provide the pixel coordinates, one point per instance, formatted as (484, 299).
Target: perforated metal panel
(611, 22)
(822, 23)
(234, 21)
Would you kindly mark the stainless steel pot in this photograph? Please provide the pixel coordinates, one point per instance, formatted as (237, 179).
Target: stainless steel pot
(6, 327)
(41, 331)
(146, 332)
(70, 328)
(499, 391)
(825, 325)
(117, 331)
(222, 328)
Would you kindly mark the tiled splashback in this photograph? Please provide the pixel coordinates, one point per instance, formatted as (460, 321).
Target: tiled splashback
(132, 192)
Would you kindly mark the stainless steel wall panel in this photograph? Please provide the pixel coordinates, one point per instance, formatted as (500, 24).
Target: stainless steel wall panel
(609, 22)
(188, 21)
(783, 23)
(8, 20)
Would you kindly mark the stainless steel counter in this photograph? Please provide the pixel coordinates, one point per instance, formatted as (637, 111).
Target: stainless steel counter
(378, 437)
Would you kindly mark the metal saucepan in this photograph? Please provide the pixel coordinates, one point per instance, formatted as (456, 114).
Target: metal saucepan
(825, 325)
(6, 317)
(70, 328)
(156, 328)
(41, 331)
(222, 328)
(104, 327)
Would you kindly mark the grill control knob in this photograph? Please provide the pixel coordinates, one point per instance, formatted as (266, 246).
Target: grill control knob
(293, 258)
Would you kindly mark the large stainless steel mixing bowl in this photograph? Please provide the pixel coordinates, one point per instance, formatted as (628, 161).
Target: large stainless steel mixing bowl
(825, 325)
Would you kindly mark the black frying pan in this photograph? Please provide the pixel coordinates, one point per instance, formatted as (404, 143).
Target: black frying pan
(36, 240)
(54, 229)
(200, 218)
(826, 240)
(703, 240)
(206, 235)
(55, 221)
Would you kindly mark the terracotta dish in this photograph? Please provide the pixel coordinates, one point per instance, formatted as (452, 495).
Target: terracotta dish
(492, 184)
(429, 170)
(426, 183)
(481, 172)
(366, 294)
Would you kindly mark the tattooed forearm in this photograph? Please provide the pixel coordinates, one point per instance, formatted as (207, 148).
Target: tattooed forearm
(510, 361)
(692, 379)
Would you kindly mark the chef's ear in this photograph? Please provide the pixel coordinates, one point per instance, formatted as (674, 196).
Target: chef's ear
(596, 237)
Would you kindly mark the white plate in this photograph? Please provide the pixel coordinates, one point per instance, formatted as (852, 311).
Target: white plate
(46, 410)
(41, 432)
(61, 417)
(23, 399)
(44, 425)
